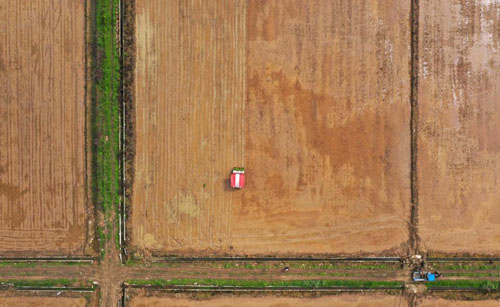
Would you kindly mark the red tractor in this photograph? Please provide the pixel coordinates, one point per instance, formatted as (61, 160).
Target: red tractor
(238, 178)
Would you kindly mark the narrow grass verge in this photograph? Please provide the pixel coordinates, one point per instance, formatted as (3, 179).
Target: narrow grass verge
(477, 284)
(21, 265)
(474, 274)
(310, 284)
(270, 266)
(46, 283)
(468, 266)
(106, 116)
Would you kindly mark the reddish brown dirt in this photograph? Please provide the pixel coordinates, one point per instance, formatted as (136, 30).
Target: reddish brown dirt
(459, 120)
(316, 108)
(327, 138)
(42, 123)
(340, 300)
(439, 302)
(189, 103)
(30, 301)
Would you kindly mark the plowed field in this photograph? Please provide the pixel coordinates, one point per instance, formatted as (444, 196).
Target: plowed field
(340, 301)
(312, 97)
(30, 301)
(326, 127)
(190, 78)
(459, 134)
(42, 127)
(439, 302)
(8, 298)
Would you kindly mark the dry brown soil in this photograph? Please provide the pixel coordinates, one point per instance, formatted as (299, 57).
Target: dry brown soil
(268, 301)
(459, 126)
(326, 128)
(439, 302)
(42, 127)
(312, 97)
(190, 85)
(32, 301)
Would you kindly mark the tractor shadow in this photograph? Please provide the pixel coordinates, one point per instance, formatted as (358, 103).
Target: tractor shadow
(227, 184)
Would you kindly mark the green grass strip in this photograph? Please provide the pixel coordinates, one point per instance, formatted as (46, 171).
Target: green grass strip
(327, 266)
(21, 265)
(469, 267)
(101, 237)
(478, 284)
(474, 274)
(301, 266)
(266, 284)
(62, 282)
(106, 113)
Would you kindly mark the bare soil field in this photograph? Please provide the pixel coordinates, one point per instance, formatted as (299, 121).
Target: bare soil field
(440, 302)
(327, 143)
(10, 299)
(311, 97)
(459, 126)
(189, 100)
(42, 128)
(248, 301)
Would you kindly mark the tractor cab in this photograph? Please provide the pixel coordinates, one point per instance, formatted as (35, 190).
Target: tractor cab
(420, 275)
(238, 178)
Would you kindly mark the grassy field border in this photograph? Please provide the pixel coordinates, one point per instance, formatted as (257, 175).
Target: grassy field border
(106, 119)
(466, 266)
(47, 283)
(133, 260)
(35, 264)
(305, 284)
(488, 285)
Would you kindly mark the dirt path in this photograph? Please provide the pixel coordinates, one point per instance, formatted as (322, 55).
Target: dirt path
(110, 276)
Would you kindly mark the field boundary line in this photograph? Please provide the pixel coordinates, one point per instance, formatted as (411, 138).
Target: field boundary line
(304, 259)
(414, 239)
(48, 259)
(54, 289)
(463, 259)
(127, 61)
(263, 289)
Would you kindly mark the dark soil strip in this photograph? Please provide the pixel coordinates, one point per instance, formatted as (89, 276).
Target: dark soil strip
(414, 238)
(128, 122)
(124, 296)
(48, 259)
(275, 289)
(191, 259)
(464, 259)
(57, 289)
(88, 148)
